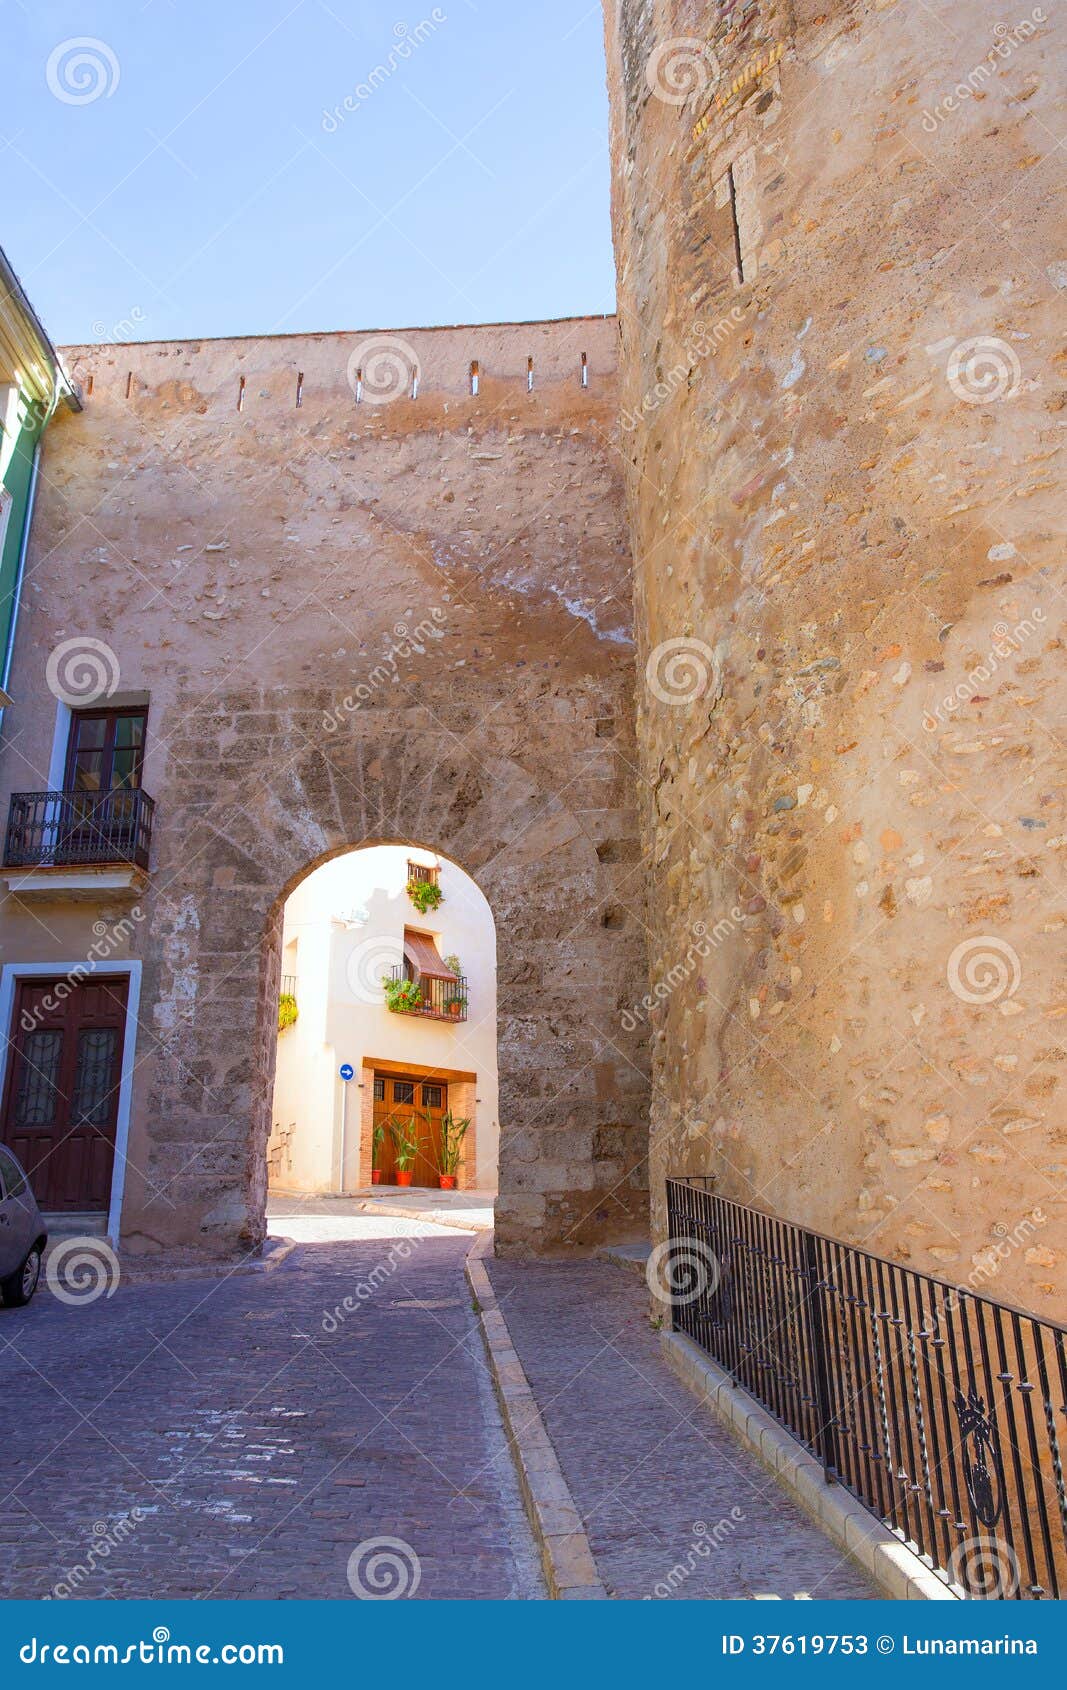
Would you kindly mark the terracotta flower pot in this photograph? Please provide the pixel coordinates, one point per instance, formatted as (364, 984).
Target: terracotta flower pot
(403, 1176)
(447, 1182)
(376, 1176)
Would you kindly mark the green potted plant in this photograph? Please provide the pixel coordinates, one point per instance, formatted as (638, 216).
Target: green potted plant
(403, 997)
(453, 1132)
(407, 1144)
(377, 1140)
(455, 994)
(287, 1011)
(425, 895)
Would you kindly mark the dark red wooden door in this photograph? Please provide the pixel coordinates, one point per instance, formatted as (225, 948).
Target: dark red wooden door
(62, 1091)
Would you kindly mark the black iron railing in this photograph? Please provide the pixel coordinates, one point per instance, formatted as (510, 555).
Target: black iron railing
(288, 986)
(64, 829)
(429, 995)
(942, 1410)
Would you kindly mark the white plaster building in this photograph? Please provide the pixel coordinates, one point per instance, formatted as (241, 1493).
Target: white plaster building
(349, 927)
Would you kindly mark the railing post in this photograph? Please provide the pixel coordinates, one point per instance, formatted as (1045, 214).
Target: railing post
(671, 1219)
(820, 1358)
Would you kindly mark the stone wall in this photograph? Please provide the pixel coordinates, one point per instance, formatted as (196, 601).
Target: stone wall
(839, 273)
(365, 604)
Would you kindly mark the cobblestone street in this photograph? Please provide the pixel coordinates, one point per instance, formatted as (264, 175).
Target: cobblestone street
(243, 1436)
(672, 1505)
(260, 1447)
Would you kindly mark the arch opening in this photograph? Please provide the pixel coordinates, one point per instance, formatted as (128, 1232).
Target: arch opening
(385, 1059)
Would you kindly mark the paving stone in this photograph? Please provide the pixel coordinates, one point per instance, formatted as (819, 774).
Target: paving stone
(673, 1506)
(261, 1450)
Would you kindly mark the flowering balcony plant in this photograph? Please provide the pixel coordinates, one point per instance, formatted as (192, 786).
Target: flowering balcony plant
(403, 997)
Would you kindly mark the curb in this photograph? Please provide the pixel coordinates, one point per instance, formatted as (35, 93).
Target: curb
(570, 1570)
(895, 1568)
(633, 1258)
(275, 1250)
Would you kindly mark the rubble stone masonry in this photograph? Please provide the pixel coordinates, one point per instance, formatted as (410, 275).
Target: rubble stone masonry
(841, 260)
(365, 603)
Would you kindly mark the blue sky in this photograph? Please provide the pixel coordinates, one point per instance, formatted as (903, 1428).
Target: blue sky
(193, 169)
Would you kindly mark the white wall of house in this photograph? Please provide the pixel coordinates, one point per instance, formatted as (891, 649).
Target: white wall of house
(343, 932)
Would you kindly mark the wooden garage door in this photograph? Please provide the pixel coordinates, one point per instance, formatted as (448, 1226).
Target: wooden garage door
(398, 1101)
(61, 1094)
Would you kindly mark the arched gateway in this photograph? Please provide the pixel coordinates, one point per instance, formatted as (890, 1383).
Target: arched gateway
(328, 623)
(571, 1160)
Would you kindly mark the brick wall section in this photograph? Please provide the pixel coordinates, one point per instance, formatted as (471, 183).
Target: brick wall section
(844, 500)
(252, 564)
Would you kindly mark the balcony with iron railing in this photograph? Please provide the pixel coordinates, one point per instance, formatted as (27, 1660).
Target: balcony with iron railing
(434, 997)
(63, 830)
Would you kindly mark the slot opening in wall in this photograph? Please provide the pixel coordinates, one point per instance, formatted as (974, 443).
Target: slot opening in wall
(299, 388)
(585, 369)
(240, 393)
(738, 262)
(89, 387)
(129, 383)
(359, 387)
(475, 378)
(529, 375)
(415, 382)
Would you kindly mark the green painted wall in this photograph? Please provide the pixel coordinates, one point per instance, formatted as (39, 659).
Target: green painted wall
(16, 474)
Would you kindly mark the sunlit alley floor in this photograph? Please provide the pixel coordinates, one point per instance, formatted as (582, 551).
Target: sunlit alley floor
(293, 1215)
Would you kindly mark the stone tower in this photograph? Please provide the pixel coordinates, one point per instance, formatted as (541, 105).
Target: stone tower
(839, 273)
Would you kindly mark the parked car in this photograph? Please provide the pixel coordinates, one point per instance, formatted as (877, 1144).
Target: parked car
(22, 1233)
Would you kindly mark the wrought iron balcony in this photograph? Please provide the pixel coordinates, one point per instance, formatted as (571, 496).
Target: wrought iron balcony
(71, 829)
(430, 995)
